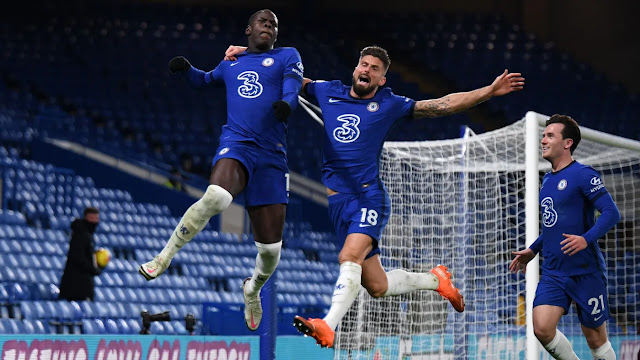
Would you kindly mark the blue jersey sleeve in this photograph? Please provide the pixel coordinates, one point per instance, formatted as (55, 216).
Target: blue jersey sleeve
(293, 67)
(593, 189)
(537, 245)
(313, 88)
(590, 184)
(199, 78)
(292, 78)
(404, 105)
(216, 74)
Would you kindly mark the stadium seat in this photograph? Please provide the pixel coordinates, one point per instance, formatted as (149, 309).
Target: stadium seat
(89, 327)
(123, 326)
(13, 326)
(111, 326)
(134, 326)
(178, 328)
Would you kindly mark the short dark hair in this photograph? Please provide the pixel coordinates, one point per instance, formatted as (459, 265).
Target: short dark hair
(91, 210)
(252, 17)
(378, 52)
(571, 129)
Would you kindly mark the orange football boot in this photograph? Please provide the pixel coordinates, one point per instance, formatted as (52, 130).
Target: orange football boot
(317, 329)
(446, 288)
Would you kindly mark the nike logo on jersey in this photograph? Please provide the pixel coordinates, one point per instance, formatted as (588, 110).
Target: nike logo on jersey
(234, 64)
(365, 225)
(597, 318)
(332, 100)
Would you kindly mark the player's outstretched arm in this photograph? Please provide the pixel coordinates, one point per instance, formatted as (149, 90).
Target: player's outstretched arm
(456, 102)
(179, 64)
(196, 77)
(521, 260)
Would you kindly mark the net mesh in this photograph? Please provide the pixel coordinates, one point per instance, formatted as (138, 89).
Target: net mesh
(461, 203)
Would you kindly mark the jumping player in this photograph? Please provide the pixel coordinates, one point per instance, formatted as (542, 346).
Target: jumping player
(262, 87)
(356, 121)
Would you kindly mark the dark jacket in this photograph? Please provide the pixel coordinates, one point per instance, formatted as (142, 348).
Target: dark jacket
(77, 279)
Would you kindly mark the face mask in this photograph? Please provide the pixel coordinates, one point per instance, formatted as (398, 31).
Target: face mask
(91, 226)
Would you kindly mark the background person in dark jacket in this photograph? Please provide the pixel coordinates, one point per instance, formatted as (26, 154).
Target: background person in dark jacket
(77, 279)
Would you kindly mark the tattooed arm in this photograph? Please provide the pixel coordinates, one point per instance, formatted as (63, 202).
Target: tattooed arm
(453, 103)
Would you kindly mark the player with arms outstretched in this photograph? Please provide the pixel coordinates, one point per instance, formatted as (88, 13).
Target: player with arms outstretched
(573, 267)
(262, 87)
(356, 121)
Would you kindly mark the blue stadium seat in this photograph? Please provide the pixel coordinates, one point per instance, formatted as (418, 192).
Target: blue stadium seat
(89, 327)
(123, 326)
(134, 326)
(39, 327)
(168, 328)
(178, 328)
(13, 326)
(4, 294)
(29, 327)
(157, 328)
(111, 326)
(132, 296)
(99, 326)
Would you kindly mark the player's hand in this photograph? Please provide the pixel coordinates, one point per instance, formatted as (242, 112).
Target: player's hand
(573, 244)
(282, 110)
(232, 51)
(522, 259)
(506, 83)
(179, 64)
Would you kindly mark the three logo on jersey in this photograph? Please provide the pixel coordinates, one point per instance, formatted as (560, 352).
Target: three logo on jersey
(349, 131)
(549, 215)
(251, 88)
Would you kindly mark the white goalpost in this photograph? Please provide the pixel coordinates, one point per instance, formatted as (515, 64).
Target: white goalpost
(468, 203)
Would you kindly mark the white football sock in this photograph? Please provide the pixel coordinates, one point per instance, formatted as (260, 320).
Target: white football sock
(266, 263)
(560, 348)
(214, 201)
(402, 282)
(604, 352)
(345, 292)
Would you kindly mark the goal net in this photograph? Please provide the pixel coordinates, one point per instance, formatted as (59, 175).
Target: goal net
(461, 203)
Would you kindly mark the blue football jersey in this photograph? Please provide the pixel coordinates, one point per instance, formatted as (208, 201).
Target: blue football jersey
(253, 83)
(355, 130)
(567, 200)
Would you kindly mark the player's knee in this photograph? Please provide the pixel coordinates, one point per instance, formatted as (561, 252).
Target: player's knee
(216, 199)
(595, 340)
(376, 290)
(349, 255)
(544, 334)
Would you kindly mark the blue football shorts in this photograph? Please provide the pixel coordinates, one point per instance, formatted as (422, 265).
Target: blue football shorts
(365, 213)
(589, 291)
(268, 181)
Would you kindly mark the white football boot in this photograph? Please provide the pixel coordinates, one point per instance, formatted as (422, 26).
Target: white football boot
(252, 308)
(154, 268)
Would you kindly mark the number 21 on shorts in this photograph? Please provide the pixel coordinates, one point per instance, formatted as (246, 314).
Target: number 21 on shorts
(370, 216)
(598, 306)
